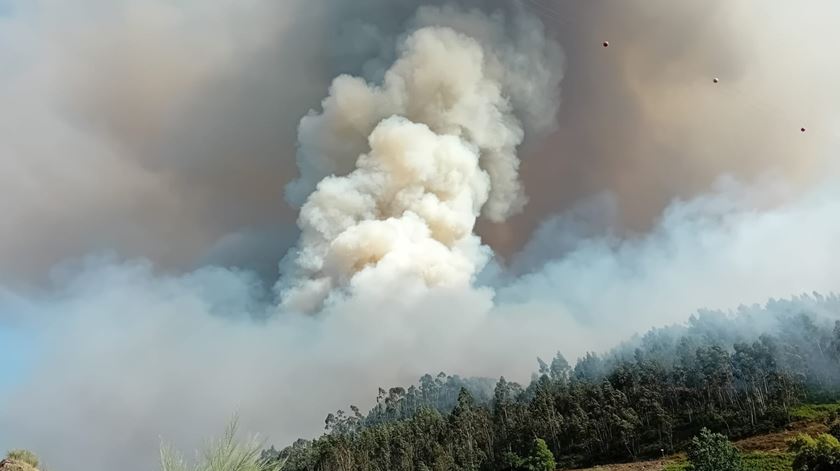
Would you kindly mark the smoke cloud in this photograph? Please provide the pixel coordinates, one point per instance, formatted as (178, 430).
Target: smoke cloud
(442, 133)
(643, 119)
(153, 129)
(169, 135)
(188, 114)
(153, 356)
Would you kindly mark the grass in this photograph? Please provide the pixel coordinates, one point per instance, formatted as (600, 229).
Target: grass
(767, 450)
(814, 411)
(23, 456)
(767, 461)
(225, 454)
(753, 461)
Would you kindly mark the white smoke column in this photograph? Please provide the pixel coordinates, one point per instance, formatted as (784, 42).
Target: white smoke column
(419, 158)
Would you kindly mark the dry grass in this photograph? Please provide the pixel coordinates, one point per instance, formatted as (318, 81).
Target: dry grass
(657, 465)
(777, 441)
(15, 465)
(772, 443)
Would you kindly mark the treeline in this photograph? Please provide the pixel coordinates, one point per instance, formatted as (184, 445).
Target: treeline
(738, 375)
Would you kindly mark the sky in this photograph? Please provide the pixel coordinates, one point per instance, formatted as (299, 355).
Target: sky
(274, 208)
(15, 351)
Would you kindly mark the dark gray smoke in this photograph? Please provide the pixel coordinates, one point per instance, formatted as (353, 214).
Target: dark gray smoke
(643, 120)
(173, 127)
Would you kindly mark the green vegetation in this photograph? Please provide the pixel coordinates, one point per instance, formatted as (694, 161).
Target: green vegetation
(834, 429)
(754, 461)
(225, 454)
(814, 411)
(648, 397)
(678, 466)
(712, 452)
(764, 461)
(816, 454)
(23, 456)
(541, 459)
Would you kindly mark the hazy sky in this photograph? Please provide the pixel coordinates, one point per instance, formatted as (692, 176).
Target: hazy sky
(168, 132)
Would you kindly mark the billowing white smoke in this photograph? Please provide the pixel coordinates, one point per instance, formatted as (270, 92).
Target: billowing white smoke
(128, 356)
(121, 355)
(394, 175)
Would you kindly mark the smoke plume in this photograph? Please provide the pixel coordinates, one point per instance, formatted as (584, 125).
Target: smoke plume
(430, 149)
(454, 213)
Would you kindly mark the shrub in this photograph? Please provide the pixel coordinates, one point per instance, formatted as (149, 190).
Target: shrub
(834, 429)
(24, 456)
(225, 454)
(713, 452)
(540, 459)
(814, 411)
(816, 454)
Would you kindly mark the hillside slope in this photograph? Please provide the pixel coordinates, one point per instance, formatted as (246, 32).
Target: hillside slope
(761, 452)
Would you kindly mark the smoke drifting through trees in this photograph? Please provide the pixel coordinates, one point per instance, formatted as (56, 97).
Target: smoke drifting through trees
(740, 375)
(122, 348)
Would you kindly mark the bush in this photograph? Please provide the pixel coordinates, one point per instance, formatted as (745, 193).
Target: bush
(223, 455)
(540, 459)
(816, 454)
(24, 456)
(814, 411)
(834, 429)
(713, 452)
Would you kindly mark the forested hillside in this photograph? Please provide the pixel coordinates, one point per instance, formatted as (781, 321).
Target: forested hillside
(738, 374)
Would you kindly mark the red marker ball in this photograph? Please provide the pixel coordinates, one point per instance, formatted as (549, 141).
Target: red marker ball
(606, 44)
(802, 129)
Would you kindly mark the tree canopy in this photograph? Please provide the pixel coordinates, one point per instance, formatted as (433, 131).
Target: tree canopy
(736, 375)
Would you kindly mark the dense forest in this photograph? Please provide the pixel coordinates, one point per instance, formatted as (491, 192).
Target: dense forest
(737, 373)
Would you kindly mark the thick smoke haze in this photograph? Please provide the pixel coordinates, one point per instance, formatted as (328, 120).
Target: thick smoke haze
(134, 356)
(154, 129)
(153, 157)
(643, 119)
(188, 113)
